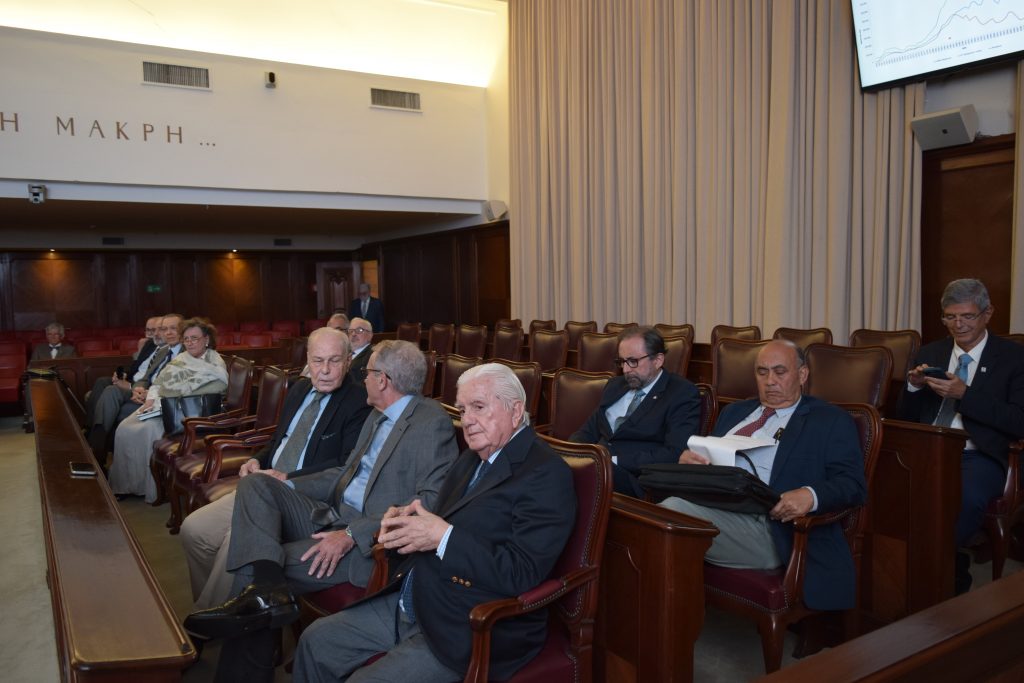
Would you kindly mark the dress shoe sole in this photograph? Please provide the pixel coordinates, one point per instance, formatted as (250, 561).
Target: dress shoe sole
(230, 626)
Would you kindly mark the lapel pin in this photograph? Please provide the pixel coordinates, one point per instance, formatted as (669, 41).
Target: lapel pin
(984, 369)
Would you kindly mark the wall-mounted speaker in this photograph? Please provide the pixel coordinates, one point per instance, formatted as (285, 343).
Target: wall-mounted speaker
(494, 209)
(946, 128)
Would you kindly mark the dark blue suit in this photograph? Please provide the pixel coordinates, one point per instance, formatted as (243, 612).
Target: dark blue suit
(993, 406)
(656, 432)
(507, 534)
(374, 312)
(992, 410)
(820, 448)
(335, 433)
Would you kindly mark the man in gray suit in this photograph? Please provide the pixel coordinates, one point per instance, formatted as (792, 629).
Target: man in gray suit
(315, 531)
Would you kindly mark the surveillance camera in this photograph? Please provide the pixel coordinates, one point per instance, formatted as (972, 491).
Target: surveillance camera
(37, 194)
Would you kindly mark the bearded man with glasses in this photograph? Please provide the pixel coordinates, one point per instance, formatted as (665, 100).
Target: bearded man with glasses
(974, 381)
(646, 414)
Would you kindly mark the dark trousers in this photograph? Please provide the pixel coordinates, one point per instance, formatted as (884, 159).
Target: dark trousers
(981, 479)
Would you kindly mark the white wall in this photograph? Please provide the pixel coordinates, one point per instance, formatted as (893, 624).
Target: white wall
(991, 90)
(314, 132)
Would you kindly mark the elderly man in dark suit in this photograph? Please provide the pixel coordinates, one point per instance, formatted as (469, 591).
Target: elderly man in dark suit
(503, 516)
(646, 415)
(360, 331)
(978, 386)
(368, 308)
(316, 531)
(54, 346)
(332, 436)
(817, 465)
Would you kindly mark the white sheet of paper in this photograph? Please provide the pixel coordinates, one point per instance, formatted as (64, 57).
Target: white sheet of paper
(721, 450)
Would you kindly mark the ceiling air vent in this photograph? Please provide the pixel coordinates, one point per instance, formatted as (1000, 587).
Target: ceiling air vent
(282, 241)
(395, 99)
(113, 241)
(172, 74)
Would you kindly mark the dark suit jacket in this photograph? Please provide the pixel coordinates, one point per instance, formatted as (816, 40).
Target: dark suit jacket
(412, 463)
(42, 351)
(993, 406)
(507, 534)
(820, 448)
(334, 434)
(374, 312)
(147, 349)
(657, 430)
(155, 366)
(359, 362)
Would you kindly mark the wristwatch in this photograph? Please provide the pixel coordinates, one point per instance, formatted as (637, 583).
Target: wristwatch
(348, 532)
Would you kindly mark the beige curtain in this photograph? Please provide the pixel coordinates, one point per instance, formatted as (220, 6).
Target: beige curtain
(707, 161)
(1017, 267)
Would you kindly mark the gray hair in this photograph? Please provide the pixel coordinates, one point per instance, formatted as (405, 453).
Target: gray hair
(403, 363)
(363, 322)
(338, 316)
(966, 291)
(334, 335)
(56, 326)
(507, 387)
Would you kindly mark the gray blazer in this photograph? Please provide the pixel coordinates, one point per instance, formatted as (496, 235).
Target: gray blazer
(412, 464)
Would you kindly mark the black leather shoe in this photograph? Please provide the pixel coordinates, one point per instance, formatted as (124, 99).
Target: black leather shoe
(256, 607)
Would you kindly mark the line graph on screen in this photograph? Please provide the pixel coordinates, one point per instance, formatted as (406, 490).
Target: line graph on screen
(897, 40)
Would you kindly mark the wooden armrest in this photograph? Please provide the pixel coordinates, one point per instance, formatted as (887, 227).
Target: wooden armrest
(243, 437)
(802, 525)
(794, 579)
(233, 422)
(483, 617)
(543, 429)
(217, 418)
(380, 565)
(218, 449)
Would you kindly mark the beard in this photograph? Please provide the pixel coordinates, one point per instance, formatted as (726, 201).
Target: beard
(634, 382)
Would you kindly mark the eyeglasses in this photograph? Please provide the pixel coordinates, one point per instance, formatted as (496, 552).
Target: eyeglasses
(358, 330)
(631, 362)
(191, 340)
(949, 318)
(367, 371)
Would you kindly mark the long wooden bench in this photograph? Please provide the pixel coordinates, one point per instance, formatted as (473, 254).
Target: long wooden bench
(973, 637)
(113, 621)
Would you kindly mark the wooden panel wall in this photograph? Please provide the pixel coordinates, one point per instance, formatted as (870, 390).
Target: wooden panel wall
(115, 289)
(967, 226)
(461, 276)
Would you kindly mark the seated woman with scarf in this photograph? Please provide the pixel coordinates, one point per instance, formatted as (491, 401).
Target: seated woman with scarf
(199, 370)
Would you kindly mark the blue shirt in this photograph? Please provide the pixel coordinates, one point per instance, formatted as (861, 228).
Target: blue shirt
(356, 488)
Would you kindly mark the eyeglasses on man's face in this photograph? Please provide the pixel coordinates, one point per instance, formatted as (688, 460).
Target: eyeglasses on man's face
(951, 318)
(631, 362)
(368, 370)
(358, 330)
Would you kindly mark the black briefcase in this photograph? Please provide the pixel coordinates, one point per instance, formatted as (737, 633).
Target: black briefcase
(177, 408)
(714, 486)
